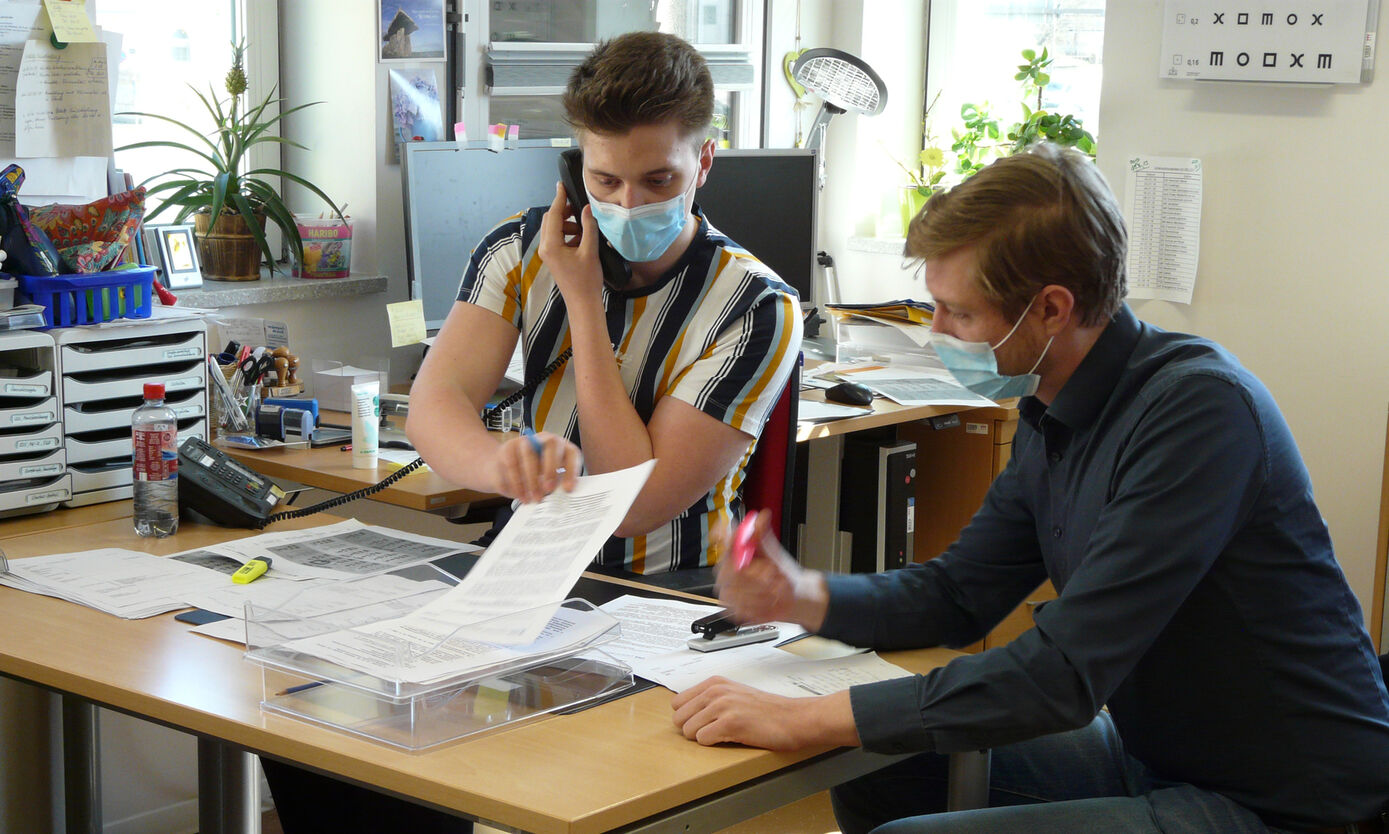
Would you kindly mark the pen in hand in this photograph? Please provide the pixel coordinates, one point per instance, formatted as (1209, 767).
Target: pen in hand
(744, 541)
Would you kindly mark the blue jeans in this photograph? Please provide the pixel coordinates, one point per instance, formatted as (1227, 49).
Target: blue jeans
(1079, 782)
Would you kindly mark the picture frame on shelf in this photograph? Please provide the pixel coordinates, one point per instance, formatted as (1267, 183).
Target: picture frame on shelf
(177, 253)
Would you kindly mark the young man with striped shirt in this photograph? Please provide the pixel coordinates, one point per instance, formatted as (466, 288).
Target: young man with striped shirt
(681, 360)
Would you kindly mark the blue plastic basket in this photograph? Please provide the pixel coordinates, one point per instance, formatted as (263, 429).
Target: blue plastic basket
(92, 297)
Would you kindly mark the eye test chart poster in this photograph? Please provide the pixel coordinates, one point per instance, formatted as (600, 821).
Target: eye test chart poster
(1300, 41)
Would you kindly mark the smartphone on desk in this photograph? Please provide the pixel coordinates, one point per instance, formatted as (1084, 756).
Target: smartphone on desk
(571, 173)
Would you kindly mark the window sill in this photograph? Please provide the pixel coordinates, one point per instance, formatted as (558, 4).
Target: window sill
(272, 289)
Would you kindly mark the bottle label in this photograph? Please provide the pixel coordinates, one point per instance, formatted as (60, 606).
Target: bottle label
(154, 454)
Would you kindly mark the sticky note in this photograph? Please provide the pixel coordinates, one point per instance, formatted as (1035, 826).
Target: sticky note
(70, 21)
(407, 322)
(496, 137)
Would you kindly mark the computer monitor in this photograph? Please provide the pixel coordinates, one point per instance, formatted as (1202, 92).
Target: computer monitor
(765, 200)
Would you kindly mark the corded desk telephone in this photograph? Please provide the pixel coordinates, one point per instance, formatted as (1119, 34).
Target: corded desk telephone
(215, 486)
(571, 173)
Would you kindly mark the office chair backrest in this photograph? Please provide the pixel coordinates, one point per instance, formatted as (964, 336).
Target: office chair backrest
(772, 470)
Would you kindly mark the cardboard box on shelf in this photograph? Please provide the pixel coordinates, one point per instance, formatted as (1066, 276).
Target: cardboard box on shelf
(332, 384)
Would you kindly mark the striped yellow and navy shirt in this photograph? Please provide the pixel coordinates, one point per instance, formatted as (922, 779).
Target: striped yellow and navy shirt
(719, 331)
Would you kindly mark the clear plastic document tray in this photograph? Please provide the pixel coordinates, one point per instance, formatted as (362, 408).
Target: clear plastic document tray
(349, 669)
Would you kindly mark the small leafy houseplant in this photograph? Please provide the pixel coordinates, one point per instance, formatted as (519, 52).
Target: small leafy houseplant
(229, 201)
(980, 139)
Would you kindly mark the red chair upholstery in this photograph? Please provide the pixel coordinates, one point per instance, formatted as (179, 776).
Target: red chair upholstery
(772, 470)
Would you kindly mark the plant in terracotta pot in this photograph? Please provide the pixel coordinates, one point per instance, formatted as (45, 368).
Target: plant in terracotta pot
(229, 201)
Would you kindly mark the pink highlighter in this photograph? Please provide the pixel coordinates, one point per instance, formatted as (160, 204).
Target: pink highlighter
(744, 545)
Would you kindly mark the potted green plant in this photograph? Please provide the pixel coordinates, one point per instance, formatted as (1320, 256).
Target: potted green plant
(979, 139)
(229, 201)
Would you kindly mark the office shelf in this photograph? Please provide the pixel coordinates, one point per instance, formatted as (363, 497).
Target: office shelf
(33, 464)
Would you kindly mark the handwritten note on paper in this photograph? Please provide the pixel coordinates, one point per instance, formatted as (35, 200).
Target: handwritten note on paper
(70, 21)
(407, 322)
(1164, 214)
(62, 101)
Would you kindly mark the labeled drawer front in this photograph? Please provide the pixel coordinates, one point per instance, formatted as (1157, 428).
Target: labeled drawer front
(77, 420)
(88, 478)
(42, 465)
(92, 356)
(29, 385)
(42, 413)
(28, 442)
(84, 451)
(27, 497)
(187, 377)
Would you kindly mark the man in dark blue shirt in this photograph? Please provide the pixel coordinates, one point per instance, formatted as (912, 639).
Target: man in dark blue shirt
(1155, 483)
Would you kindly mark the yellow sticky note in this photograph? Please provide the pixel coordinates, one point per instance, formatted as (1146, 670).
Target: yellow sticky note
(407, 322)
(70, 21)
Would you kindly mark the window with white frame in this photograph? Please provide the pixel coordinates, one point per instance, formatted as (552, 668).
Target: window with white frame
(975, 48)
(169, 48)
(526, 49)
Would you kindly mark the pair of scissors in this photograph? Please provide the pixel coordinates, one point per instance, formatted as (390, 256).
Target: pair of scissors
(253, 367)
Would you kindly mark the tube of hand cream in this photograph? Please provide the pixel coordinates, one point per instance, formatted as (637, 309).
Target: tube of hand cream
(366, 412)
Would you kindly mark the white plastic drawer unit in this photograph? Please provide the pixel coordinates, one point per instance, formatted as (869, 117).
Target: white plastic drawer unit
(91, 476)
(40, 465)
(27, 365)
(37, 413)
(126, 382)
(99, 415)
(33, 495)
(115, 443)
(28, 441)
(132, 352)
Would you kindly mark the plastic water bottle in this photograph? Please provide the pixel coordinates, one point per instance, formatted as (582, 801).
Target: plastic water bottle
(154, 464)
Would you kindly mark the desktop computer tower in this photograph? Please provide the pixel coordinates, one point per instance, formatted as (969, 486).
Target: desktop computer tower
(877, 502)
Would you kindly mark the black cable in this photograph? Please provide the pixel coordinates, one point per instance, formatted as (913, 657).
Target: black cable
(347, 498)
(526, 389)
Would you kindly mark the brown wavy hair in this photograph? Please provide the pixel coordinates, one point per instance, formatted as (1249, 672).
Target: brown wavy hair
(641, 78)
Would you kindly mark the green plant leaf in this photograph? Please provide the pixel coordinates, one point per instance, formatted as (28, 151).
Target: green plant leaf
(273, 172)
(1043, 79)
(1031, 54)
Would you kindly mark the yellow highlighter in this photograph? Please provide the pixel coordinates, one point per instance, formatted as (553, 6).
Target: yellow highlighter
(251, 570)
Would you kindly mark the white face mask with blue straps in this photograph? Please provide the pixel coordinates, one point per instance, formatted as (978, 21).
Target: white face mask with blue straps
(643, 233)
(975, 365)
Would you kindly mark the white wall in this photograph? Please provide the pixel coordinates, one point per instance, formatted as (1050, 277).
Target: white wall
(1293, 250)
(328, 50)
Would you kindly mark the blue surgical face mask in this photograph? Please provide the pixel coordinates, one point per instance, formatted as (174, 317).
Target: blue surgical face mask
(975, 365)
(643, 233)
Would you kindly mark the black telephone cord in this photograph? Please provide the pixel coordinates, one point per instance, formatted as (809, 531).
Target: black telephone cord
(344, 499)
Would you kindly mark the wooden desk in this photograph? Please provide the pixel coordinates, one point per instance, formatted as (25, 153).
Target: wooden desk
(330, 468)
(618, 766)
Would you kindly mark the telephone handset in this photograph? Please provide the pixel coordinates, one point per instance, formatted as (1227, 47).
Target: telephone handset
(616, 272)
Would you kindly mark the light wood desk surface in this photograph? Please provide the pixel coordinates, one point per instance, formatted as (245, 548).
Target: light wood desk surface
(605, 768)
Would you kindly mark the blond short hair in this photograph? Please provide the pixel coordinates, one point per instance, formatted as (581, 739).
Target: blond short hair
(1041, 217)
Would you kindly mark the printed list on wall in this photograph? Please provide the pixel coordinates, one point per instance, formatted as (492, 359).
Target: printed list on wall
(1164, 217)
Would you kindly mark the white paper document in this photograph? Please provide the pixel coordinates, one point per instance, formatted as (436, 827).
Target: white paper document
(62, 101)
(508, 607)
(337, 551)
(1164, 214)
(126, 583)
(914, 386)
(658, 626)
(769, 669)
(19, 23)
(539, 555)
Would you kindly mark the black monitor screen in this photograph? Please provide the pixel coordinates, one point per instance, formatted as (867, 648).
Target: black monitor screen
(762, 199)
(765, 200)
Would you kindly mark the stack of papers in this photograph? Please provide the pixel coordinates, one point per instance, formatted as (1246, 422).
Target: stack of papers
(905, 311)
(126, 583)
